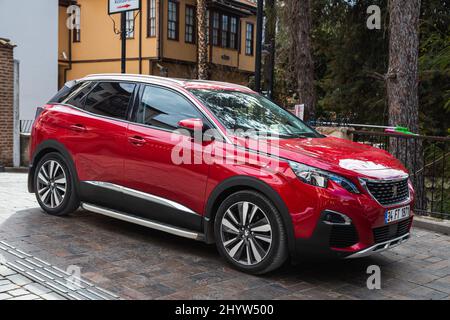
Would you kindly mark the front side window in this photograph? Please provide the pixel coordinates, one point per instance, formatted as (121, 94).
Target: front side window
(151, 26)
(130, 24)
(190, 24)
(249, 39)
(250, 112)
(110, 99)
(172, 23)
(164, 108)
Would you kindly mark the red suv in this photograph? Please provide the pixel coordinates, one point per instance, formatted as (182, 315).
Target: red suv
(219, 163)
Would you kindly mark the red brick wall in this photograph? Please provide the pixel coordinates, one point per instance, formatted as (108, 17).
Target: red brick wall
(6, 104)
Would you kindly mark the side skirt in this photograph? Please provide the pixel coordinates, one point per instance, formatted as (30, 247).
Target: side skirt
(144, 222)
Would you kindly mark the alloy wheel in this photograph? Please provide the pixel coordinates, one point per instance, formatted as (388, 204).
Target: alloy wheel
(246, 233)
(52, 184)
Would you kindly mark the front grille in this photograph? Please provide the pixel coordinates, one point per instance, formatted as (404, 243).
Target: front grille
(392, 231)
(388, 193)
(343, 236)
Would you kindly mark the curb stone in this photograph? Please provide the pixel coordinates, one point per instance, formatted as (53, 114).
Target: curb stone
(432, 224)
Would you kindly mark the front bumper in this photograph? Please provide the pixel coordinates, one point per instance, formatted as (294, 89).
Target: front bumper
(379, 247)
(349, 240)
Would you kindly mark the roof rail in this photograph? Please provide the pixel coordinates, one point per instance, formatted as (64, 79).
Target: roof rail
(135, 76)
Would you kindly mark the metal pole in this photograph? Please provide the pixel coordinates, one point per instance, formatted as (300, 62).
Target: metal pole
(123, 22)
(272, 69)
(259, 27)
(140, 41)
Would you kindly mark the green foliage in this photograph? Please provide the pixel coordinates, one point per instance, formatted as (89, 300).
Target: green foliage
(434, 66)
(351, 60)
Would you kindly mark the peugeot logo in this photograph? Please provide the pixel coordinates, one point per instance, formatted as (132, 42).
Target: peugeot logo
(394, 191)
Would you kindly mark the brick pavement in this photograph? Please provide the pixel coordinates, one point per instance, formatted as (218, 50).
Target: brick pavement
(137, 263)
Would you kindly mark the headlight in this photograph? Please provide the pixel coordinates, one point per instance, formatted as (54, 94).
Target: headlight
(319, 178)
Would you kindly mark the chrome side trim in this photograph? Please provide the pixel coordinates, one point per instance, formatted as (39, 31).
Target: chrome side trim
(143, 222)
(141, 195)
(379, 247)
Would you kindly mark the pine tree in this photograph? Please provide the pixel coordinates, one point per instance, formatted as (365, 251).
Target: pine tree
(299, 20)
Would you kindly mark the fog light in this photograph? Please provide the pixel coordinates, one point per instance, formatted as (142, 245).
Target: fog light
(332, 217)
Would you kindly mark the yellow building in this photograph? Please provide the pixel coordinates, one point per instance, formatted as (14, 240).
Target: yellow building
(161, 39)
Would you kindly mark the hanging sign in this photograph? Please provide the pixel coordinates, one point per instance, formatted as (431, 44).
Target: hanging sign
(118, 6)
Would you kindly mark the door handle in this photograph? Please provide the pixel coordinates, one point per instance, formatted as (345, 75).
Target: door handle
(78, 128)
(137, 141)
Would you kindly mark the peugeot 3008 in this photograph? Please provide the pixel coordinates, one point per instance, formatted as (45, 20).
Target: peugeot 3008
(127, 146)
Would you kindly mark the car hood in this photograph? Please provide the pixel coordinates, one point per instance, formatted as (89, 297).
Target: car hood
(333, 154)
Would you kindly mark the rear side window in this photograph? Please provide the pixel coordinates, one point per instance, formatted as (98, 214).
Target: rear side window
(77, 95)
(110, 99)
(63, 93)
(164, 108)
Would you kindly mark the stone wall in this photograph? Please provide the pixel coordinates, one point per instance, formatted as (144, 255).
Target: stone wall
(338, 132)
(6, 102)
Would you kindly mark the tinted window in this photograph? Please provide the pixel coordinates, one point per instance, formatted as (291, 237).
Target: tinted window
(110, 99)
(164, 108)
(77, 95)
(63, 93)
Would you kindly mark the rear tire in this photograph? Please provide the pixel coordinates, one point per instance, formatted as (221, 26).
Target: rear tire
(249, 233)
(55, 185)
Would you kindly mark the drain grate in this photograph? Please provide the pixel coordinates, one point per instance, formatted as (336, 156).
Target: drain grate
(51, 277)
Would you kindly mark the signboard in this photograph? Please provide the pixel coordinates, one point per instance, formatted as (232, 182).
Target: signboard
(300, 111)
(118, 6)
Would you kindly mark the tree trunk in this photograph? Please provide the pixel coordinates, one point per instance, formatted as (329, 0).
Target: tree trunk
(202, 67)
(269, 46)
(403, 75)
(299, 12)
(402, 82)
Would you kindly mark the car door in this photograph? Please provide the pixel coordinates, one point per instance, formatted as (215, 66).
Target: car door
(96, 137)
(159, 187)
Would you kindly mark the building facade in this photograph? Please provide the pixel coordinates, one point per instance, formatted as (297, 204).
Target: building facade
(161, 40)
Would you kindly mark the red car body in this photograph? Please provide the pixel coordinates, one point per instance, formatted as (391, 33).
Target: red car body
(135, 157)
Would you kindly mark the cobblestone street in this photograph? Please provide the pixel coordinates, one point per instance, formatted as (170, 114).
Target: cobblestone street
(138, 263)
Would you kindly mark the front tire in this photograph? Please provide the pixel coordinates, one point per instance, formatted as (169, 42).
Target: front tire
(249, 233)
(54, 185)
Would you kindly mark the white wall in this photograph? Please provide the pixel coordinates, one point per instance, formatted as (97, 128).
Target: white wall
(33, 27)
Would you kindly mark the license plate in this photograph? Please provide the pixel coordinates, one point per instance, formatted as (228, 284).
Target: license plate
(396, 214)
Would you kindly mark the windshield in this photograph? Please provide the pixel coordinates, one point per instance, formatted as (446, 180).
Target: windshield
(251, 112)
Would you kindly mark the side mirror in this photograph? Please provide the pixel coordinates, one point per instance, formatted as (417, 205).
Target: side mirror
(192, 125)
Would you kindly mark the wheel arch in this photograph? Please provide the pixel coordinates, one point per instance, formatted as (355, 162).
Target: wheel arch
(239, 183)
(44, 148)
